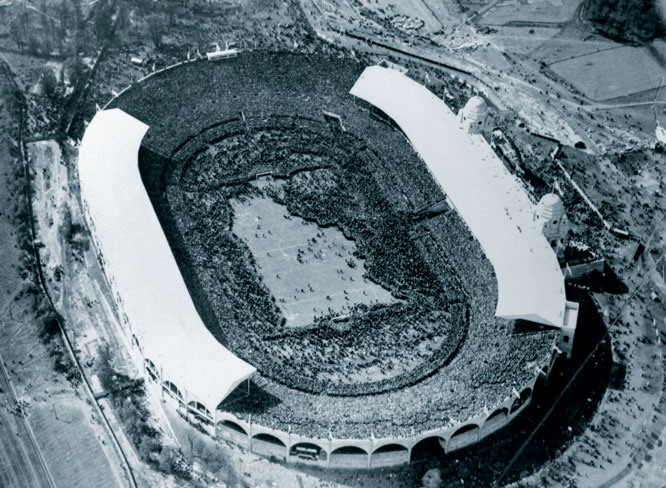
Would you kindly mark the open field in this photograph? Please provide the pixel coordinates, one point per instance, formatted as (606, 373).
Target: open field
(69, 444)
(566, 46)
(526, 12)
(611, 73)
(521, 40)
(310, 271)
(8, 239)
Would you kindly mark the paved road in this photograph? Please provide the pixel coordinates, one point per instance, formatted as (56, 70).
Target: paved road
(21, 464)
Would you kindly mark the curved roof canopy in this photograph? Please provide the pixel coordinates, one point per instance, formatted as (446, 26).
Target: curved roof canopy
(488, 198)
(141, 267)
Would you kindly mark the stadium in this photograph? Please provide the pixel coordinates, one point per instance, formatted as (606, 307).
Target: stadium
(319, 261)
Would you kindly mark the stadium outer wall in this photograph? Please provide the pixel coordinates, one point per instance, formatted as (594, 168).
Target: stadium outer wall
(367, 453)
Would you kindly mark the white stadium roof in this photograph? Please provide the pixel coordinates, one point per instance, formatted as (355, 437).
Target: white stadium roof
(142, 268)
(489, 199)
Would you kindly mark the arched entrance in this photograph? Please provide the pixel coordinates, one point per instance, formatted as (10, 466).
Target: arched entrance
(389, 455)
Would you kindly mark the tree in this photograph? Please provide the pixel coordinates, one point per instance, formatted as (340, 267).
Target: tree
(73, 70)
(104, 20)
(18, 33)
(49, 82)
(156, 28)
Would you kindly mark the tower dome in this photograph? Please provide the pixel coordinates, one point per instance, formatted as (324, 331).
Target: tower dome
(550, 214)
(473, 115)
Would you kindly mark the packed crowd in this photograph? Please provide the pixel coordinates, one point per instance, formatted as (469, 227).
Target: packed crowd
(434, 265)
(237, 151)
(404, 341)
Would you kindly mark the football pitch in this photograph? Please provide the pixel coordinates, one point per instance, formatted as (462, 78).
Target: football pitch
(311, 271)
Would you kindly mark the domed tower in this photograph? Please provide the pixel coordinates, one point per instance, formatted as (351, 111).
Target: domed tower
(473, 116)
(550, 215)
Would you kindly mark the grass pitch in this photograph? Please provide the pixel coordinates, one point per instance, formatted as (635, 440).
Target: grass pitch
(311, 271)
(611, 73)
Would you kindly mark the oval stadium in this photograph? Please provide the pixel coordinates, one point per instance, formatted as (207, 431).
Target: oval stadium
(318, 260)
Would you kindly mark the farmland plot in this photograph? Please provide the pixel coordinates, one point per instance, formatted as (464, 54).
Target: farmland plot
(612, 73)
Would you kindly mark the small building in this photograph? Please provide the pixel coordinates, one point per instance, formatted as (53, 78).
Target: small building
(217, 53)
(551, 217)
(473, 116)
(568, 329)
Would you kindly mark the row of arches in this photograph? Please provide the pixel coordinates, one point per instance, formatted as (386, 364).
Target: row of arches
(390, 454)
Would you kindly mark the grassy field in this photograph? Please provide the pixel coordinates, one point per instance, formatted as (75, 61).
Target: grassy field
(528, 11)
(69, 444)
(309, 270)
(611, 73)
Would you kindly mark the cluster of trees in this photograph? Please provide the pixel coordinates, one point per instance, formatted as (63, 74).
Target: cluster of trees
(73, 233)
(61, 28)
(19, 214)
(634, 21)
(49, 322)
(129, 400)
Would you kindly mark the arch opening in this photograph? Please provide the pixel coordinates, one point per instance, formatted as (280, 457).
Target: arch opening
(232, 426)
(200, 411)
(389, 455)
(349, 450)
(518, 403)
(498, 419)
(233, 432)
(268, 445)
(497, 413)
(389, 448)
(428, 448)
(172, 390)
(152, 370)
(464, 436)
(349, 457)
(268, 438)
